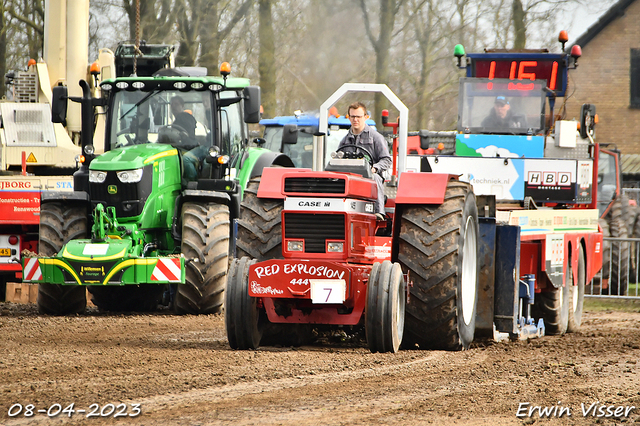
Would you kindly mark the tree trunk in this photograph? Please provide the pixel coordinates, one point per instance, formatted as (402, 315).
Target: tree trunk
(210, 38)
(3, 51)
(519, 17)
(266, 59)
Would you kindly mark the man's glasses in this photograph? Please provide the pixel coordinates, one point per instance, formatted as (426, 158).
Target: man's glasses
(356, 117)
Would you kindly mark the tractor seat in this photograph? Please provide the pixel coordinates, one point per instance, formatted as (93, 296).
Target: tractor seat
(358, 166)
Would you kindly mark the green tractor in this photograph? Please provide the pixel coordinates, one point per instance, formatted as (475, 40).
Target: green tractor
(150, 221)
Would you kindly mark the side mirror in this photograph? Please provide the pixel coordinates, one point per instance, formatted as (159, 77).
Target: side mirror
(59, 104)
(290, 134)
(587, 120)
(252, 104)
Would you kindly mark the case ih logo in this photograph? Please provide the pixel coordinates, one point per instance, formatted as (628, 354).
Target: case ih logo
(549, 178)
(13, 184)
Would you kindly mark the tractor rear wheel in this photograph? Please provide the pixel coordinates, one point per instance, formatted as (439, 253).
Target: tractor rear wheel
(243, 319)
(438, 247)
(385, 309)
(553, 307)
(127, 298)
(205, 245)
(59, 224)
(577, 294)
(260, 225)
(619, 274)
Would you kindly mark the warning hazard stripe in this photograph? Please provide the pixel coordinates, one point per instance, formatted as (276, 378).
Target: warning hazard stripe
(167, 270)
(32, 270)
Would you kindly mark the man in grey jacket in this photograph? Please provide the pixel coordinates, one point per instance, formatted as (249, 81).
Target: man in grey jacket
(368, 137)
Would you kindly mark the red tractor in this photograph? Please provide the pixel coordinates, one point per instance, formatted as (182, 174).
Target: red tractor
(311, 252)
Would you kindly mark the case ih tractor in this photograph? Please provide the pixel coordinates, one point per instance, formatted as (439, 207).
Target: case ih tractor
(332, 263)
(496, 239)
(151, 216)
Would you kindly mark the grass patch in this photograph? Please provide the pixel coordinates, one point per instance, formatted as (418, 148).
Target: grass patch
(599, 304)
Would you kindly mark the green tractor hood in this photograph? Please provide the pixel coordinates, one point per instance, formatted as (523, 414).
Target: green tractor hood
(133, 157)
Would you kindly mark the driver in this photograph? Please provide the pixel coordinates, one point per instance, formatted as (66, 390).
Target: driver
(501, 115)
(190, 159)
(182, 118)
(368, 137)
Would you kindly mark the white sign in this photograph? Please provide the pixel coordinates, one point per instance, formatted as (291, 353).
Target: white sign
(328, 291)
(95, 249)
(347, 205)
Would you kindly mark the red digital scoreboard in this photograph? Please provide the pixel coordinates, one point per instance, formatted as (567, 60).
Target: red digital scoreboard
(521, 68)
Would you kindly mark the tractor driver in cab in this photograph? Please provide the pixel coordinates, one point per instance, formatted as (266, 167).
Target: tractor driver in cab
(501, 116)
(368, 137)
(185, 122)
(181, 118)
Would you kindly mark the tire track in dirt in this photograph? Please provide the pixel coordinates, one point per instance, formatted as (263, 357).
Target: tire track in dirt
(155, 408)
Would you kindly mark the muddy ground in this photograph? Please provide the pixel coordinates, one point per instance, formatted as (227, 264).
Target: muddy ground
(179, 370)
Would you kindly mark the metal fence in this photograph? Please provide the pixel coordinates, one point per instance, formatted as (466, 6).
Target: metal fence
(620, 273)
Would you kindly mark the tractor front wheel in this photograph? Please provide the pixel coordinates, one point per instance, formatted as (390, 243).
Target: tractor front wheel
(243, 319)
(438, 247)
(385, 309)
(60, 224)
(205, 245)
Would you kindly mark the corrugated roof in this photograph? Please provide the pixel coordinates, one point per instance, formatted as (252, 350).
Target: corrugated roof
(613, 13)
(630, 164)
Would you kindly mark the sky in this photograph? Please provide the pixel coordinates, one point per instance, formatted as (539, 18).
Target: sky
(582, 18)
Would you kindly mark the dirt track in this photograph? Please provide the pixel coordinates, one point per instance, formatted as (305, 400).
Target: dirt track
(181, 371)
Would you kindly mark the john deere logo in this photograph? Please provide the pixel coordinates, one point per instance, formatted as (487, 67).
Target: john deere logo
(112, 189)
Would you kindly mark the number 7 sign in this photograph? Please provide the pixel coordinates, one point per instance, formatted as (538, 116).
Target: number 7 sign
(328, 291)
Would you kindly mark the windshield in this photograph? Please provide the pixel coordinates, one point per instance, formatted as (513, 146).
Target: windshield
(302, 152)
(501, 106)
(166, 116)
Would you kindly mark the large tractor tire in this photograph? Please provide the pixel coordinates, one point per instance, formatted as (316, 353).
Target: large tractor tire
(385, 308)
(577, 294)
(438, 247)
(243, 320)
(205, 245)
(617, 251)
(553, 307)
(127, 298)
(59, 224)
(260, 225)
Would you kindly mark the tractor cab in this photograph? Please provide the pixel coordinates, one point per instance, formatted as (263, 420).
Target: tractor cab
(198, 116)
(501, 107)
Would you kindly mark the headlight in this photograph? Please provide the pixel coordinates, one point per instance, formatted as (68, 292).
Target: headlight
(97, 176)
(130, 176)
(335, 247)
(295, 246)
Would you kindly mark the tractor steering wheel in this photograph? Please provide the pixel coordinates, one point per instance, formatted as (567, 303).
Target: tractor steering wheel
(175, 135)
(364, 152)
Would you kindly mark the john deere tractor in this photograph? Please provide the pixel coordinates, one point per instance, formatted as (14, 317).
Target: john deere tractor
(149, 220)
